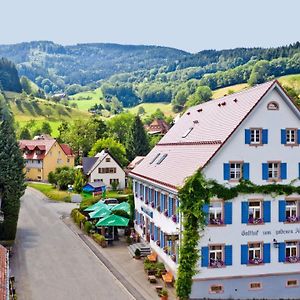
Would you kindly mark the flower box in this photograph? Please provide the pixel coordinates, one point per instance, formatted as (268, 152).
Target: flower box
(173, 257)
(141, 198)
(158, 208)
(166, 213)
(166, 249)
(255, 221)
(216, 222)
(152, 237)
(152, 204)
(292, 219)
(292, 259)
(216, 263)
(255, 261)
(158, 243)
(174, 218)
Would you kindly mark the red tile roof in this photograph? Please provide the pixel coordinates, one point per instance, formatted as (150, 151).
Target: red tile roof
(197, 136)
(3, 273)
(40, 144)
(67, 150)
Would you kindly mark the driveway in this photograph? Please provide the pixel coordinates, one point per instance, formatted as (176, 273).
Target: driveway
(50, 262)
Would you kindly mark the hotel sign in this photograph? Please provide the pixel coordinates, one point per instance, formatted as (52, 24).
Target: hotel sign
(257, 232)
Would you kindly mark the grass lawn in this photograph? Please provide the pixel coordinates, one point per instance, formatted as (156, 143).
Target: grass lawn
(224, 91)
(51, 192)
(292, 81)
(150, 108)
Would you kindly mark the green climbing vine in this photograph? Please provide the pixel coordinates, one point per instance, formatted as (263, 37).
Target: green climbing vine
(196, 192)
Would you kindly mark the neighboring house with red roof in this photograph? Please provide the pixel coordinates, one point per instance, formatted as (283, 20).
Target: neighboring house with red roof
(250, 247)
(43, 155)
(104, 167)
(4, 274)
(157, 126)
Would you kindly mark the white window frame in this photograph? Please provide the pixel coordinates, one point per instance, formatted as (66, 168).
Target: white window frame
(255, 210)
(254, 250)
(216, 214)
(255, 136)
(292, 250)
(291, 136)
(291, 210)
(235, 171)
(216, 255)
(274, 171)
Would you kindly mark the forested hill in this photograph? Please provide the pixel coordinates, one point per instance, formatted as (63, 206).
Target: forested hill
(136, 74)
(84, 63)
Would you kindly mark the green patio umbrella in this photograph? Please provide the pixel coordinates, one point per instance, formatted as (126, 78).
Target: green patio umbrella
(122, 206)
(100, 213)
(113, 220)
(95, 206)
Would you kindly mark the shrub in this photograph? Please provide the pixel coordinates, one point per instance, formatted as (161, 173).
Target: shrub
(88, 226)
(77, 216)
(137, 252)
(100, 239)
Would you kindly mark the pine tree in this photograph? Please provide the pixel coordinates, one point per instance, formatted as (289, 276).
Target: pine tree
(11, 174)
(137, 140)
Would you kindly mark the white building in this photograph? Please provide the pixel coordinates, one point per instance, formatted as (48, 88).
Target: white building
(103, 167)
(250, 247)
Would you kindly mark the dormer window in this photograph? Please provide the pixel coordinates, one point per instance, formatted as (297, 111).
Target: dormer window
(154, 159)
(187, 132)
(161, 159)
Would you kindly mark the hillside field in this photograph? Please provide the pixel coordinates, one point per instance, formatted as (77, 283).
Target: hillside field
(39, 110)
(150, 108)
(85, 100)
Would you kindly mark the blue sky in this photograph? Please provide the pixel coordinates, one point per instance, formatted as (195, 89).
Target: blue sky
(191, 25)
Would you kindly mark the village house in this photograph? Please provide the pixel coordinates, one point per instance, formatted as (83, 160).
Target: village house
(250, 246)
(44, 154)
(157, 126)
(104, 167)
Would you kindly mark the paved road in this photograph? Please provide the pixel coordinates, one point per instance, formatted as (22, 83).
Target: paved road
(51, 262)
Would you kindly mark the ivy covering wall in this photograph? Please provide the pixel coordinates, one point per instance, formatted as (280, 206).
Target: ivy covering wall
(196, 192)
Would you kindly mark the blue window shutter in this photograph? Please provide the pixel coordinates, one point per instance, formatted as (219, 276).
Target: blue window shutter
(155, 233)
(150, 194)
(150, 226)
(298, 136)
(228, 255)
(245, 212)
(281, 252)
(244, 254)
(155, 198)
(169, 206)
(162, 202)
(281, 212)
(265, 136)
(265, 174)
(267, 253)
(246, 169)
(226, 170)
(228, 212)
(283, 170)
(204, 256)
(170, 213)
(162, 242)
(247, 136)
(177, 211)
(298, 170)
(267, 211)
(283, 136)
(205, 209)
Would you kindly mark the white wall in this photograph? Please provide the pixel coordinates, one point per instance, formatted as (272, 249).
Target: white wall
(105, 177)
(233, 235)
(159, 219)
(235, 149)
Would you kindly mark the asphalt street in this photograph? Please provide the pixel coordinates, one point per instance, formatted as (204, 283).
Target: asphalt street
(50, 262)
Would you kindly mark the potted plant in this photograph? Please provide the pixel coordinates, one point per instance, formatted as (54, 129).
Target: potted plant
(163, 294)
(137, 253)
